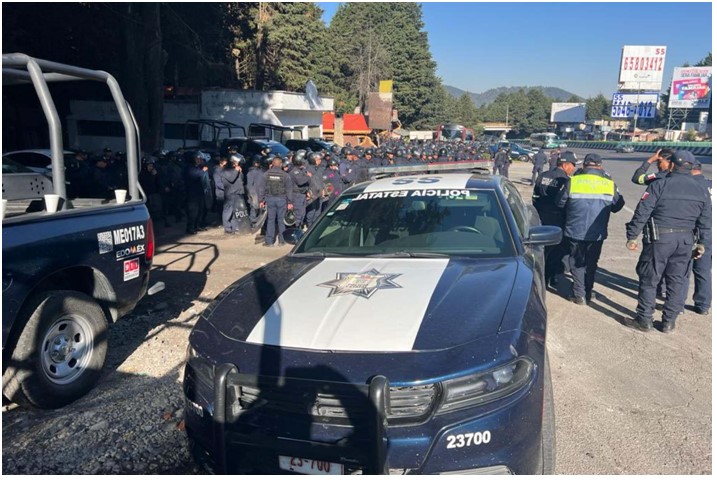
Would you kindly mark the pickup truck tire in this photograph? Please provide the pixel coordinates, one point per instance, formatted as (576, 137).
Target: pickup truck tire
(60, 352)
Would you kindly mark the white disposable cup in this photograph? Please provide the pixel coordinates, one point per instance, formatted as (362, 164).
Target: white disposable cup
(51, 202)
(121, 195)
(4, 206)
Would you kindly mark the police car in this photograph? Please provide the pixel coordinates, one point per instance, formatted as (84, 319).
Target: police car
(404, 333)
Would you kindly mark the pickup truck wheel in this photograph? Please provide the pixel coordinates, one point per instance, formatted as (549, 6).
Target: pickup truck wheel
(61, 351)
(547, 443)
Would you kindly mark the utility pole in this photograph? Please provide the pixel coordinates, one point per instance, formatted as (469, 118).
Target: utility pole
(637, 114)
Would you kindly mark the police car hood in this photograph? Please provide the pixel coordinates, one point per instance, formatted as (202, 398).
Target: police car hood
(366, 304)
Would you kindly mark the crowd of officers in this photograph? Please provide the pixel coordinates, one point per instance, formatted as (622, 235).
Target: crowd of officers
(674, 216)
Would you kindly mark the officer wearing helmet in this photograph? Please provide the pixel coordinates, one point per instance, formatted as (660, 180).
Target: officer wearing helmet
(333, 184)
(275, 196)
(675, 209)
(233, 184)
(301, 179)
(348, 168)
(316, 196)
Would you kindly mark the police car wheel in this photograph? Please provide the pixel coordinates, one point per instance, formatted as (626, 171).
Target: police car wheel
(60, 352)
(547, 442)
(524, 158)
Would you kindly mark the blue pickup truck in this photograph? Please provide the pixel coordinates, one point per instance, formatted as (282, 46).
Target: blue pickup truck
(517, 152)
(70, 265)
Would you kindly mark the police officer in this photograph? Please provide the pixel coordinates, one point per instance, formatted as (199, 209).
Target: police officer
(588, 198)
(316, 196)
(549, 185)
(275, 195)
(254, 179)
(217, 179)
(501, 162)
(232, 181)
(332, 182)
(678, 206)
(554, 155)
(194, 174)
(301, 179)
(702, 267)
(539, 161)
(347, 167)
(662, 157)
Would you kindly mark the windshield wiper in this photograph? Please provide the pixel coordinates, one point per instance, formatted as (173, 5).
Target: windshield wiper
(405, 254)
(317, 254)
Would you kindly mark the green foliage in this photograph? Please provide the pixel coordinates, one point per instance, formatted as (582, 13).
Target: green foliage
(691, 135)
(597, 108)
(705, 62)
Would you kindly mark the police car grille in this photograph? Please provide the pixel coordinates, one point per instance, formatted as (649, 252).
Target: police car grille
(408, 404)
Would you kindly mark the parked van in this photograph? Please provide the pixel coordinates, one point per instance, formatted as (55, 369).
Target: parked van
(544, 140)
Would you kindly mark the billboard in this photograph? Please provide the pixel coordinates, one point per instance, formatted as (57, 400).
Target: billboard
(641, 67)
(567, 113)
(380, 109)
(625, 105)
(691, 87)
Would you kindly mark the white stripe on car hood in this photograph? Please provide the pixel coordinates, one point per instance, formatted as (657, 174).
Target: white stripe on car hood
(423, 182)
(373, 305)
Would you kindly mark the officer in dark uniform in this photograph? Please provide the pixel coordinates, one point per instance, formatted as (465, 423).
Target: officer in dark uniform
(442, 155)
(702, 267)
(588, 198)
(233, 186)
(348, 168)
(554, 155)
(317, 194)
(301, 179)
(501, 162)
(332, 182)
(275, 196)
(662, 157)
(539, 161)
(545, 193)
(254, 179)
(673, 208)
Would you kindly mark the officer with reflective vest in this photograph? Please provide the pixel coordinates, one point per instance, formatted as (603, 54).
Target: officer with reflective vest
(662, 157)
(588, 198)
(275, 196)
(547, 188)
(673, 210)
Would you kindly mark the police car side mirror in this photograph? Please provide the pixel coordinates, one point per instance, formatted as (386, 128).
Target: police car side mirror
(543, 235)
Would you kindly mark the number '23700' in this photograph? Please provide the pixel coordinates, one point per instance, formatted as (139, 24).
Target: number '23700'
(468, 439)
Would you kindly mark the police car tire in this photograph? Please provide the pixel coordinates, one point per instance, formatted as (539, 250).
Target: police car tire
(547, 443)
(24, 379)
(524, 158)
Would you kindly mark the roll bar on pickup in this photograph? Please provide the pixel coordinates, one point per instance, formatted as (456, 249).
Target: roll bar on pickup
(19, 69)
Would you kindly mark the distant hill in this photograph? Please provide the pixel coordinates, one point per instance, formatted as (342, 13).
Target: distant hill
(488, 96)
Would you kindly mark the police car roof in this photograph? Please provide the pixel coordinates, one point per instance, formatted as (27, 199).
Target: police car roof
(432, 181)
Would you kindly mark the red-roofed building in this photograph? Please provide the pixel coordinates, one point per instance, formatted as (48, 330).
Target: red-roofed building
(356, 130)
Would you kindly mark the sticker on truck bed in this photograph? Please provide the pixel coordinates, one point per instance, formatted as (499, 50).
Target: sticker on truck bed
(131, 269)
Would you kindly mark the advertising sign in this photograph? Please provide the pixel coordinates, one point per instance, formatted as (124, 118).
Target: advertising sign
(691, 87)
(379, 110)
(567, 113)
(625, 105)
(641, 67)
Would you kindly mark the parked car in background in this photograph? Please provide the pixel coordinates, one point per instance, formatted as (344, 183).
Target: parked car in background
(315, 144)
(251, 146)
(624, 148)
(39, 160)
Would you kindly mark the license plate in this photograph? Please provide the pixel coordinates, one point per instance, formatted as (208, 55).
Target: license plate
(309, 466)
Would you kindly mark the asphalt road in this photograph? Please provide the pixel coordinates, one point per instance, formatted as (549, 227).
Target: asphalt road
(627, 402)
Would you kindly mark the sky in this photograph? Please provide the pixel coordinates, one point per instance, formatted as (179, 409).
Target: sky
(573, 46)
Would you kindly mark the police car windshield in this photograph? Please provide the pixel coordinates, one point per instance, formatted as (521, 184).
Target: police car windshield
(276, 148)
(413, 223)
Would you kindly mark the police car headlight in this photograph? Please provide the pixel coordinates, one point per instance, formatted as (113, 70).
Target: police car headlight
(485, 387)
(202, 369)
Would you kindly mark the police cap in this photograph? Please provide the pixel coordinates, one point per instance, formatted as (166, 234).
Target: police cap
(683, 158)
(591, 159)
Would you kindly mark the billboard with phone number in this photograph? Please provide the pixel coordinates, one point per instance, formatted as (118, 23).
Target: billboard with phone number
(625, 105)
(641, 67)
(691, 87)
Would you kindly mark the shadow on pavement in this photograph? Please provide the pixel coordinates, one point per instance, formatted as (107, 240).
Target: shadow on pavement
(619, 283)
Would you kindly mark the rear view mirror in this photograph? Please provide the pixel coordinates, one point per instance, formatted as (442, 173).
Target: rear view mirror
(544, 235)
